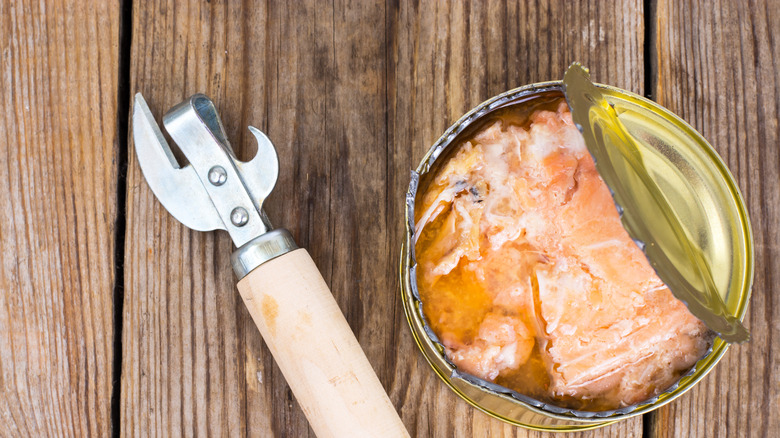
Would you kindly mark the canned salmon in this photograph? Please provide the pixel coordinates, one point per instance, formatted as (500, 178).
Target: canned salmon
(537, 308)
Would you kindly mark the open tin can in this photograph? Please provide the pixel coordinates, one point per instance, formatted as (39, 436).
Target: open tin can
(682, 158)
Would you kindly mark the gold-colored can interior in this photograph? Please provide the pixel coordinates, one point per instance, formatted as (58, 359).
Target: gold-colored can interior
(682, 162)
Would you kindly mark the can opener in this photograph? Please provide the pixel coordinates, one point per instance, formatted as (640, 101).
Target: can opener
(281, 286)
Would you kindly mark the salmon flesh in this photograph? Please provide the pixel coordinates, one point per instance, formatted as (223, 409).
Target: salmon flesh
(529, 279)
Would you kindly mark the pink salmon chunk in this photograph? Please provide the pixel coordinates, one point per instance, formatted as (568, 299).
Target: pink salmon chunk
(530, 281)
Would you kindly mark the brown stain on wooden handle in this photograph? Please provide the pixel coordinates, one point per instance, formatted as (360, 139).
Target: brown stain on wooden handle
(270, 310)
(304, 318)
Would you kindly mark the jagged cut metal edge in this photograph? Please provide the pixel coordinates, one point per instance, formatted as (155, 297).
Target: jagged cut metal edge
(438, 148)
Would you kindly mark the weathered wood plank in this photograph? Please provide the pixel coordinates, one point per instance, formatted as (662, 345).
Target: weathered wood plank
(717, 67)
(58, 162)
(352, 95)
(277, 68)
(445, 58)
(182, 354)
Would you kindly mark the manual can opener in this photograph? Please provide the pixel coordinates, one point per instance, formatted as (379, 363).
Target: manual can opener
(281, 286)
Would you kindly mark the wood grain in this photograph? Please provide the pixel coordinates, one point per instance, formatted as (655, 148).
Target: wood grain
(718, 67)
(445, 58)
(352, 94)
(58, 74)
(183, 355)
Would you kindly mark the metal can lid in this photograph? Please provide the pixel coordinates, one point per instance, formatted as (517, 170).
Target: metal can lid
(660, 216)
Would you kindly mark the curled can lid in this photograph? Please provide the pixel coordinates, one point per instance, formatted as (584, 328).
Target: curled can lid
(646, 212)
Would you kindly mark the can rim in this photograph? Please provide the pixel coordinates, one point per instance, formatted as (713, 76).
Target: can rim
(586, 419)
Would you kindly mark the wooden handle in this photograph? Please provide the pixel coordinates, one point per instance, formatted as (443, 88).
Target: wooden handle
(317, 351)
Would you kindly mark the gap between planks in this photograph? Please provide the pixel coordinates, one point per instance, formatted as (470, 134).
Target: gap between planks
(649, 14)
(123, 138)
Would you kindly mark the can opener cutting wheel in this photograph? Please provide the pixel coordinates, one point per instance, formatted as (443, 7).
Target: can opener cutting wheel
(279, 283)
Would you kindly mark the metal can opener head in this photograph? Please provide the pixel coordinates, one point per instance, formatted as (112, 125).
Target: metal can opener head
(215, 191)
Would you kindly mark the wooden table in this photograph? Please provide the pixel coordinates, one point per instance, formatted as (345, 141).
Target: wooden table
(114, 318)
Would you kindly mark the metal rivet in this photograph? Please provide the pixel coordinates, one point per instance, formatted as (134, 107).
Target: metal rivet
(217, 175)
(239, 216)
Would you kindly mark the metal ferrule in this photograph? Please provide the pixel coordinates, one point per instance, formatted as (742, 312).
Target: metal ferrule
(261, 249)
